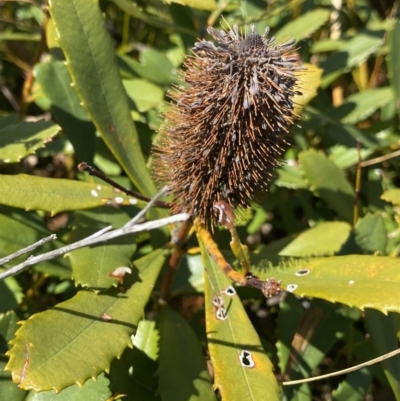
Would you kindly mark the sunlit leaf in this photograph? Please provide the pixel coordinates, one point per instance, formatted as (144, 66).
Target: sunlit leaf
(94, 328)
(23, 139)
(392, 196)
(91, 62)
(323, 239)
(235, 348)
(345, 157)
(370, 234)
(153, 66)
(304, 25)
(91, 390)
(361, 105)
(354, 280)
(290, 177)
(200, 4)
(56, 195)
(145, 94)
(55, 81)
(328, 182)
(133, 10)
(92, 266)
(353, 52)
(309, 82)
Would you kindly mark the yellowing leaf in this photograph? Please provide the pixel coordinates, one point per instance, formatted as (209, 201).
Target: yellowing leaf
(354, 280)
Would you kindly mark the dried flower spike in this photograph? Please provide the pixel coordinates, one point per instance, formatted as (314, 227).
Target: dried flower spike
(226, 128)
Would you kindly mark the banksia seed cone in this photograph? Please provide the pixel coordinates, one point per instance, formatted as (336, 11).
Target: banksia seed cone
(226, 129)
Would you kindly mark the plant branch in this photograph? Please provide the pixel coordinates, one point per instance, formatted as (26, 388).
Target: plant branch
(142, 213)
(342, 372)
(98, 237)
(27, 249)
(99, 174)
(269, 287)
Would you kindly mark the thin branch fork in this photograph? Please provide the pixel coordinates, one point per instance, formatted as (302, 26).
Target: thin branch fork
(103, 235)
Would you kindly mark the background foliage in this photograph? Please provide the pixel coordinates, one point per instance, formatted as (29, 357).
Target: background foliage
(86, 81)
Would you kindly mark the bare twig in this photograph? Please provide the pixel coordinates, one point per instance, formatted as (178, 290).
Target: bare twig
(99, 174)
(342, 372)
(380, 159)
(142, 213)
(27, 249)
(98, 237)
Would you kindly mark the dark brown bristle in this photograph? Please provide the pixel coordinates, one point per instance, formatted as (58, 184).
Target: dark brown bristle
(226, 129)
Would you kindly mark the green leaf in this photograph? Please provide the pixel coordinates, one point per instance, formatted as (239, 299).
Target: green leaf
(91, 390)
(23, 139)
(55, 195)
(321, 326)
(383, 336)
(392, 196)
(133, 10)
(309, 82)
(19, 36)
(92, 265)
(328, 182)
(183, 373)
(353, 53)
(345, 157)
(8, 390)
(145, 94)
(394, 62)
(289, 318)
(153, 66)
(324, 239)
(370, 234)
(189, 278)
(327, 45)
(209, 5)
(11, 294)
(304, 25)
(135, 373)
(354, 387)
(55, 81)
(242, 369)
(9, 119)
(91, 62)
(361, 105)
(354, 280)
(41, 355)
(290, 177)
